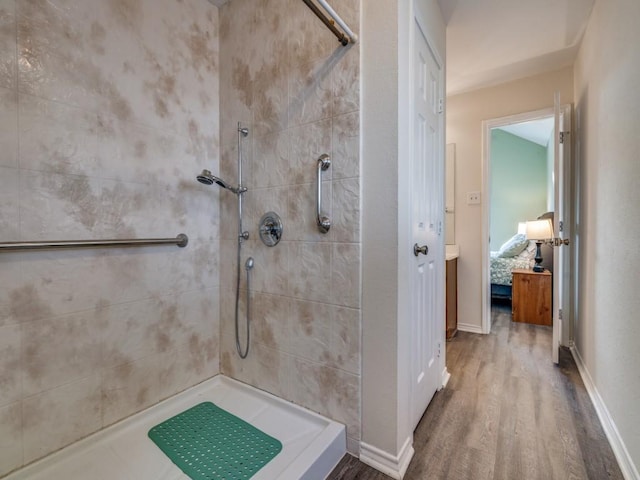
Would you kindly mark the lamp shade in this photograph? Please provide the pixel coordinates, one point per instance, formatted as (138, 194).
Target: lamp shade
(540, 230)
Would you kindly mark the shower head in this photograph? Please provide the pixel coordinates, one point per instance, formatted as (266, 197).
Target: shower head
(208, 179)
(205, 177)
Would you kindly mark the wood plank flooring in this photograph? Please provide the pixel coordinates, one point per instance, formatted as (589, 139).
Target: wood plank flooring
(507, 414)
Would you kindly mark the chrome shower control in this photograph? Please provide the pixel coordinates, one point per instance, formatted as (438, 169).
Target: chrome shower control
(270, 229)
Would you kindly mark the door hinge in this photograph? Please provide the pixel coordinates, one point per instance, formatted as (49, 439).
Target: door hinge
(561, 225)
(439, 346)
(440, 105)
(560, 313)
(563, 135)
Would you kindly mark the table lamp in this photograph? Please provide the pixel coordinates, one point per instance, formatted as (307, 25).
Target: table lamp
(539, 231)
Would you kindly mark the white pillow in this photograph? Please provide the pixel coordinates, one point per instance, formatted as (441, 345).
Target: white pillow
(513, 246)
(529, 252)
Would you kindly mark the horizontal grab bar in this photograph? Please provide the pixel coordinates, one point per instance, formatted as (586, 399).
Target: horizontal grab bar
(343, 38)
(181, 241)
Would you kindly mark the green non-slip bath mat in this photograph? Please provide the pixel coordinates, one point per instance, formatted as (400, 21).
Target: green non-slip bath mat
(209, 443)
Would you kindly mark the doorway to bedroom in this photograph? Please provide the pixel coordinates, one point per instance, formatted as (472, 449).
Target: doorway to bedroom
(521, 163)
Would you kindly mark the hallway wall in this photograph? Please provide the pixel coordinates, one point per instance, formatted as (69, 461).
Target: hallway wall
(465, 113)
(108, 109)
(607, 74)
(286, 77)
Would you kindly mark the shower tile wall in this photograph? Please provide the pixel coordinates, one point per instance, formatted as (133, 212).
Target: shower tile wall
(108, 110)
(285, 76)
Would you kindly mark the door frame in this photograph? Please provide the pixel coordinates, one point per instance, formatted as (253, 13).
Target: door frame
(487, 126)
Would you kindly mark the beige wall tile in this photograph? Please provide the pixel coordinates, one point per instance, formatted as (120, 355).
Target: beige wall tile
(271, 166)
(8, 124)
(270, 325)
(309, 93)
(263, 368)
(308, 142)
(10, 437)
(345, 276)
(10, 364)
(119, 111)
(328, 391)
(311, 324)
(8, 58)
(58, 417)
(345, 84)
(59, 350)
(59, 138)
(271, 271)
(9, 213)
(345, 210)
(310, 271)
(130, 387)
(345, 340)
(346, 146)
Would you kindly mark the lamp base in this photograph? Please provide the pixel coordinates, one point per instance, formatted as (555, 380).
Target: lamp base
(538, 258)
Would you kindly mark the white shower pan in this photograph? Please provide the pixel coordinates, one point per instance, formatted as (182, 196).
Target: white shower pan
(311, 444)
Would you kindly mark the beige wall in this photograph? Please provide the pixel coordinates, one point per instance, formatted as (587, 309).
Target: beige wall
(108, 110)
(607, 75)
(297, 90)
(465, 113)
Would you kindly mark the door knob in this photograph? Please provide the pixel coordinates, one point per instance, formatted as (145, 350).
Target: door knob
(420, 250)
(557, 242)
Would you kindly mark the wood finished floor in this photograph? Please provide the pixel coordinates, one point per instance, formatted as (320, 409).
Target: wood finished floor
(507, 413)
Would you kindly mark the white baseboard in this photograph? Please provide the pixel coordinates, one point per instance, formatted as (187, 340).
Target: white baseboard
(465, 327)
(394, 466)
(629, 470)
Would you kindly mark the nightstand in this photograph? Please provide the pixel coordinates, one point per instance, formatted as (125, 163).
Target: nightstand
(531, 297)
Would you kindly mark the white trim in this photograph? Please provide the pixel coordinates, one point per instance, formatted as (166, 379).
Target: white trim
(446, 376)
(629, 470)
(394, 466)
(465, 327)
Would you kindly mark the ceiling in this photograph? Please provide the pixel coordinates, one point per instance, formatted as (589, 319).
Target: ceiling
(495, 41)
(536, 131)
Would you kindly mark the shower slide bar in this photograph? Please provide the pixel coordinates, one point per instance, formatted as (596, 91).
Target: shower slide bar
(181, 240)
(344, 38)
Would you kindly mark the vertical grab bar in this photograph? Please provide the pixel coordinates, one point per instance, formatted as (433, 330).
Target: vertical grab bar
(324, 223)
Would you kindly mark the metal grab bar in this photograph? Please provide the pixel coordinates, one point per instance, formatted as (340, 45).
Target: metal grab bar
(330, 23)
(181, 241)
(324, 223)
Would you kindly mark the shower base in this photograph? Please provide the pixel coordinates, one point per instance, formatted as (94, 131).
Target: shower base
(312, 445)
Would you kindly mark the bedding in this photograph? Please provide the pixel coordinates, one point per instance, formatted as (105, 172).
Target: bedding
(501, 267)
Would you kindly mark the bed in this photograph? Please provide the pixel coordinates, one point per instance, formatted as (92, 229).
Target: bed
(516, 253)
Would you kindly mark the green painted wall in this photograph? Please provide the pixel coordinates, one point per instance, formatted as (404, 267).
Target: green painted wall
(518, 184)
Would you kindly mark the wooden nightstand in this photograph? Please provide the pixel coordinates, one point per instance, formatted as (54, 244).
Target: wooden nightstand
(531, 301)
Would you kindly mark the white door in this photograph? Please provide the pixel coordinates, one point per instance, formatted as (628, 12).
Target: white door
(427, 316)
(561, 198)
